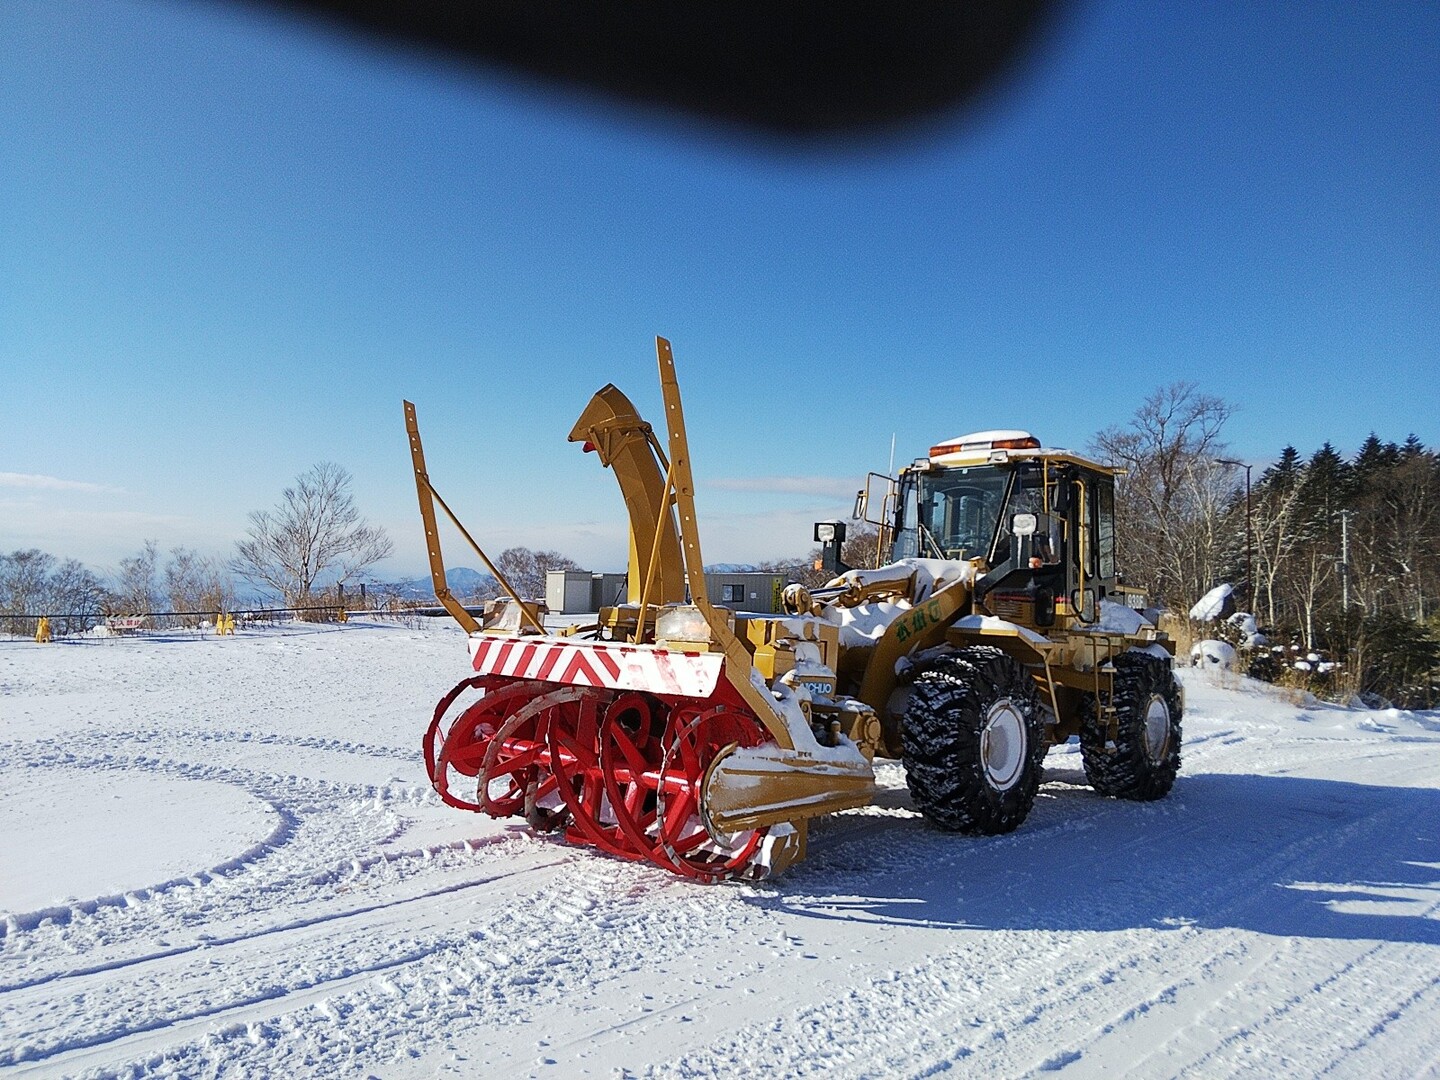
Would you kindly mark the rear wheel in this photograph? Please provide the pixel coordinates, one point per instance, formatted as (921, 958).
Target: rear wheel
(1142, 762)
(974, 741)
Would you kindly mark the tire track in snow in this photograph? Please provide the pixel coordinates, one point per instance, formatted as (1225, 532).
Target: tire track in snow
(1005, 1036)
(305, 810)
(450, 971)
(1226, 990)
(210, 941)
(1388, 1051)
(1357, 969)
(169, 739)
(187, 911)
(1175, 1028)
(1222, 961)
(194, 973)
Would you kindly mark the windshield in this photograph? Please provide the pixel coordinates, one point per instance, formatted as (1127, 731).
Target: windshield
(954, 513)
(951, 514)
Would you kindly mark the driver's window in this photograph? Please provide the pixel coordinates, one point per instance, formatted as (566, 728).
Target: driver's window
(907, 540)
(1104, 503)
(965, 517)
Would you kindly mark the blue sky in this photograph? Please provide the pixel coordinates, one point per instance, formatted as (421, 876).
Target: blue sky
(231, 244)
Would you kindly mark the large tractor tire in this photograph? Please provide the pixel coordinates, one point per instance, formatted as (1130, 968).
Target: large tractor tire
(1143, 761)
(974, 741)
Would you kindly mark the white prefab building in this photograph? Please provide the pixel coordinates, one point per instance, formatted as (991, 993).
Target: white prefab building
(569, 592)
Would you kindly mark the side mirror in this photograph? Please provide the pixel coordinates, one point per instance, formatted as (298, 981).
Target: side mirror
(877, 492)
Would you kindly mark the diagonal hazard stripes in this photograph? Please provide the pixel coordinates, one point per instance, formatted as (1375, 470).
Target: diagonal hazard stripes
(593, 663)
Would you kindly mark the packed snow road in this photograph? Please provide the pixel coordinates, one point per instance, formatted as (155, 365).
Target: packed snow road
(220, 857)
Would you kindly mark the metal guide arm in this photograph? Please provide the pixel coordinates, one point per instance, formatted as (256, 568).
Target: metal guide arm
(428, 498)
(738, 663)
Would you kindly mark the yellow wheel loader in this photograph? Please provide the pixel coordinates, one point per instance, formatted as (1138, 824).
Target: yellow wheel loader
(703, 740)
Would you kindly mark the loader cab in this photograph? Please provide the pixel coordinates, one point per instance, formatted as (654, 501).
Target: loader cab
(1042, 521)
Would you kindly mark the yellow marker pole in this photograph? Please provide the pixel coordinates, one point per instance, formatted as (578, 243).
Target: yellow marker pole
(42, 630)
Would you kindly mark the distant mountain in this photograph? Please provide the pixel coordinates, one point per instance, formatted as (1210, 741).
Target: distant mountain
(464, 583)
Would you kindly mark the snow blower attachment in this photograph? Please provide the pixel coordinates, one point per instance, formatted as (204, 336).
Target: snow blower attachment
(703, 740)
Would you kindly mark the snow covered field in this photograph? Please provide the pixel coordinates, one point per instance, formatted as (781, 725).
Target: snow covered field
(220, 857)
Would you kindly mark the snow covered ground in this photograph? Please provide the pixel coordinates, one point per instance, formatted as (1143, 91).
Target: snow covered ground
(220, 857)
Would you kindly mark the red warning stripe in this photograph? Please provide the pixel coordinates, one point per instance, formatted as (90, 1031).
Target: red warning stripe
(598, 664)
(547, 665)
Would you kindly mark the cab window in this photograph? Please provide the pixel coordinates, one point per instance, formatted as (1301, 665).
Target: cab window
(1104, 519)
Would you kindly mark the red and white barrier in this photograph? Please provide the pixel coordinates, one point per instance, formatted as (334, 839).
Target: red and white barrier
(595, 663)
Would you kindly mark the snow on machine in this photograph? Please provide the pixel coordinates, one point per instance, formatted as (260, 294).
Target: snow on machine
(703, 740)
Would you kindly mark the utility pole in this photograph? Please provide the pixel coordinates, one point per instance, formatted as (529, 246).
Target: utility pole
(1345, 559)
(1249, 534)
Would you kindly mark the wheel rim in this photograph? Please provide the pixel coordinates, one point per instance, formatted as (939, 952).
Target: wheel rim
(630, 764)
(444, 721)
(516, 766)
(690, 744)
(1157, 728)
(1002, 745)
(455, 747)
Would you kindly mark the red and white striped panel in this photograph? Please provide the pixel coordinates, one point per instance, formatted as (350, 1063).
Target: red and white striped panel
(594, 663)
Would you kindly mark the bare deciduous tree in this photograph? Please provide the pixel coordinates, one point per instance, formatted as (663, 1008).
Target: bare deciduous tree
(135, 591)
(22, 581)
(526, 569)
(75, 598)
(32, 584)
(1167, 502)
(196, 583)
(1277, 508)
(314, 534)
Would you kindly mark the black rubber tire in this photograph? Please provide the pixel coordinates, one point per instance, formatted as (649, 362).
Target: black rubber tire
(1132, 769)
(949, 707)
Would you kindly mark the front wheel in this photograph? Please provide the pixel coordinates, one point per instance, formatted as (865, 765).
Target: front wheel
(974, 741)
(1142, 761)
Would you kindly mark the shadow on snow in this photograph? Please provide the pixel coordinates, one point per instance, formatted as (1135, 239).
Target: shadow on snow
(1275, 855)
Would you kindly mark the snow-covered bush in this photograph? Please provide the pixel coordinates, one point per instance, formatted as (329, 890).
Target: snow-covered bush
(1243, 626)
(1212, 653)
(1218, 603)
(1230, 632)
